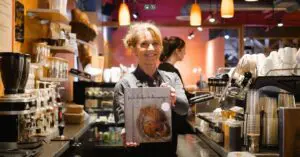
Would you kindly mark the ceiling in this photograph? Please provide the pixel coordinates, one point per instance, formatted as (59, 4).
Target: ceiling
(251, 14)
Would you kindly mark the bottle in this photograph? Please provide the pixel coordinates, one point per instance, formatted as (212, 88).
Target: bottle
(232, 135)
(112, 135)
(60, 114)
(96, 133)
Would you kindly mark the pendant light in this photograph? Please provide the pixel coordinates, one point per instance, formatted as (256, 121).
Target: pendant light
(195, 15)
(124, 15)
(227, 9)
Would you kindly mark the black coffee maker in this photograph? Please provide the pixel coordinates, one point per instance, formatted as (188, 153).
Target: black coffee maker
(16, 108)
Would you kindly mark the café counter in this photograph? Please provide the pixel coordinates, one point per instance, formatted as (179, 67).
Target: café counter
(72, 132)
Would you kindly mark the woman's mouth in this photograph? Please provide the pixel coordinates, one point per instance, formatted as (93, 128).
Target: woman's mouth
(150, 54)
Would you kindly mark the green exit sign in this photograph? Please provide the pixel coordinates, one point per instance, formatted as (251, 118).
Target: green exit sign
(150, 7)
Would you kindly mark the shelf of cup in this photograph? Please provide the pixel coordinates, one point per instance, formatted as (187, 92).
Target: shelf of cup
(49, 79)
(62, 49)
(48, 14)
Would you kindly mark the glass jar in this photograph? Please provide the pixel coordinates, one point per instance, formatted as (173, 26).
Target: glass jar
(232, 135)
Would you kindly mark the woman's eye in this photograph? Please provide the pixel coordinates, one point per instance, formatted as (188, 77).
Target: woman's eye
(155, 44)
(144, 44)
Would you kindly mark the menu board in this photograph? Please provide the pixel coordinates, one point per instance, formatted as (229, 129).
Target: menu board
(148, 115)
(6, 28)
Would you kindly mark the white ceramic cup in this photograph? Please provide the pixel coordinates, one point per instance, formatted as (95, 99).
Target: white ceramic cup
(288, 57)
(106, 75)
(115, 74)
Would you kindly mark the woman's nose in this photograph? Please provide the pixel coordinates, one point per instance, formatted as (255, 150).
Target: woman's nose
(150, 47)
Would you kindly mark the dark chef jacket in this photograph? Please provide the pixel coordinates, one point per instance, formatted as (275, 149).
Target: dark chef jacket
(140, 79)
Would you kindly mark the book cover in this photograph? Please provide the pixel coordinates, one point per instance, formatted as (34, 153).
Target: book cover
(148, 115)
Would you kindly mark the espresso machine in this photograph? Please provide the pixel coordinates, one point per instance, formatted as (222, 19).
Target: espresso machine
(17, 108)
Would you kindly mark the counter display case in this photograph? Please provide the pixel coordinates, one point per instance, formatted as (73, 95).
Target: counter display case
(97, 99)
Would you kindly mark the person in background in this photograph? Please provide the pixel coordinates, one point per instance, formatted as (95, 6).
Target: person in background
(174, 51)
(144, 40)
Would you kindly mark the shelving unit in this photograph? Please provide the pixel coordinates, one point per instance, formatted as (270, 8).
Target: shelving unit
(48, 14)
(288, 83)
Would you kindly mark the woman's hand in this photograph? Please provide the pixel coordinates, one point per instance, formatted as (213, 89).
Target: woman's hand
(127, 144)
(173, 93)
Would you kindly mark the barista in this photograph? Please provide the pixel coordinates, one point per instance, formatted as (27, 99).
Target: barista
(174, 51)
(144, 40)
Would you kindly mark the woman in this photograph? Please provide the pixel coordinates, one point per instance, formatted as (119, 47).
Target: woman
(144, 40)
(174, 51)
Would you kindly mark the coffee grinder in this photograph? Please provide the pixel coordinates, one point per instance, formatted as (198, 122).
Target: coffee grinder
(16, 107)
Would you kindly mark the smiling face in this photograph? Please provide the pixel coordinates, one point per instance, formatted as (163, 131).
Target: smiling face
(148, 48)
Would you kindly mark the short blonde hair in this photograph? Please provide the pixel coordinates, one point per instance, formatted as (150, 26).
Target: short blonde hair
(136, 29)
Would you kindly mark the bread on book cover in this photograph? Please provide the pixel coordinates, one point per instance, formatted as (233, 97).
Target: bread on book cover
(148, 115)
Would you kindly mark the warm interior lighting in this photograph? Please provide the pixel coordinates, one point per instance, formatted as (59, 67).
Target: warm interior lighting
(135, 15)
(212, 20)
(227, 9)
(280, 24)
(191, 36)
(210, 56)
(226, 36)
(195, 15)
(124, 15)
(199, 29)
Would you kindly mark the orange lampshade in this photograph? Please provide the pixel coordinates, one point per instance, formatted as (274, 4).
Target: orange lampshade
(227, 8)
(195, 15)
(124, 15)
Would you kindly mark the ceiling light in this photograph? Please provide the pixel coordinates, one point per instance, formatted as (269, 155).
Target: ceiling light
(195, 15)
(135, 15)
(124, 15)
(212, 20)
(199, 29)
(251, 0)
(279, 24)
(226, 36)
(191, 35)
(227, 9)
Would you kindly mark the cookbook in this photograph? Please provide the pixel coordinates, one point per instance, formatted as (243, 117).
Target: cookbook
(148, 115)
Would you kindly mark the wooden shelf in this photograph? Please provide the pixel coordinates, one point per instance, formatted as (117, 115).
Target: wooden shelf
(48, 14)
(62, 49)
